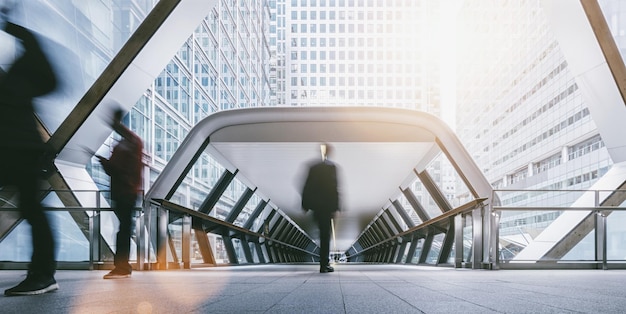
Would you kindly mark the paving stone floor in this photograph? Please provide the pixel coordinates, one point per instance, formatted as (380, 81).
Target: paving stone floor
(352, 288)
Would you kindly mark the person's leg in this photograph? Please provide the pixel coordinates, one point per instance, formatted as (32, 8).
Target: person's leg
(42, 267)
(43, 260)
(124, 212)
(323, 222)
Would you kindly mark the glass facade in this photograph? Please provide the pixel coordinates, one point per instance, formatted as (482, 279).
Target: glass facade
(220, 67)
(80, 38)
(535, 131)
(523, 118)
(358, 53)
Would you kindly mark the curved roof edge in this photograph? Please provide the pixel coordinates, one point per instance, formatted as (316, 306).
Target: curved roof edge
(198, 135)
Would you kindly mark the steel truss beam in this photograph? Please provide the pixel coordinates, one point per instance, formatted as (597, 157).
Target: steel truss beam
(419, 209)
(216, 193)
(434, 191)
(239, 206)
(405, 216)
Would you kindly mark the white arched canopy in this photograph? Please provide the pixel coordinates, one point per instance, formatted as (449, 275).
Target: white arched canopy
(377, 149)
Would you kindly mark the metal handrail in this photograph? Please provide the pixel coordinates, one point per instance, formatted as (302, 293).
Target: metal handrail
(597, 209)
(552, 208)
(94, 229)
(232, 227)
(463, 209)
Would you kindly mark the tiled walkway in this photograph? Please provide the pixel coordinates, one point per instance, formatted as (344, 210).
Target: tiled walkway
(350, 289)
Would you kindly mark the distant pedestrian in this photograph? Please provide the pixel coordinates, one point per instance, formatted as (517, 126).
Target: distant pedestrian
(321, 195)
(22, 150)
(125, 169)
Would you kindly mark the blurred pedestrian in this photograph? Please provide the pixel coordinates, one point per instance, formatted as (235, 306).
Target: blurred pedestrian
(125, 169)
(321, 195)
(22, 151)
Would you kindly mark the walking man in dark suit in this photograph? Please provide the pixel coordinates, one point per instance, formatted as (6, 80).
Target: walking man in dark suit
(321, 195)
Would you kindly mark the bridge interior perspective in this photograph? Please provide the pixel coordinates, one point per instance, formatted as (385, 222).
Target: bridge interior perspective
(529, 176)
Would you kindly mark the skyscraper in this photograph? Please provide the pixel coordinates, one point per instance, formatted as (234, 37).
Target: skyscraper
(358, 53)
(521, 113)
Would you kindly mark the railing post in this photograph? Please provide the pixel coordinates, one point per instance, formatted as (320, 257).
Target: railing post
(605, 266)
(496, 238)
(601, 232)
(91, 239)
(142, 254)
(139, 238)
(162, 237)
(458, 241)
(477, 241)
(148, 230)
(186, 242)
(94, 234)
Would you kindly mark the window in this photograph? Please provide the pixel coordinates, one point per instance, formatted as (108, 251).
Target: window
(585, 147)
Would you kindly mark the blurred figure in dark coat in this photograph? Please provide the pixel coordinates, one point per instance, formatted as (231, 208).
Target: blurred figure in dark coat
(321, 195)
(22, 152)
(125, 168)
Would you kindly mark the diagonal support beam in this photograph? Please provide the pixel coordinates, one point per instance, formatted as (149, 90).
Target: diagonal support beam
(217, 191)
(112, 73)
(412, 249)
(434, 190)
(204, 245)
(230, 248)
(186, 170)
(607, 44)
(428, 242)
(255, 214)
(419, 209)
(389, 216)
(241, 203)
(448, 242)
(400, 210)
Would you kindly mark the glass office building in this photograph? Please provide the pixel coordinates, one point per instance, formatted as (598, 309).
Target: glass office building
(358, 53)
(524, 119)
(535, 131)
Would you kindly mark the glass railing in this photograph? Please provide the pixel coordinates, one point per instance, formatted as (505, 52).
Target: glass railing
(83, 224)
(578, 228)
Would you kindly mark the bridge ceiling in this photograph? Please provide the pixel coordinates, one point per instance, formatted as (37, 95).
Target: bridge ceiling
(374, 160)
